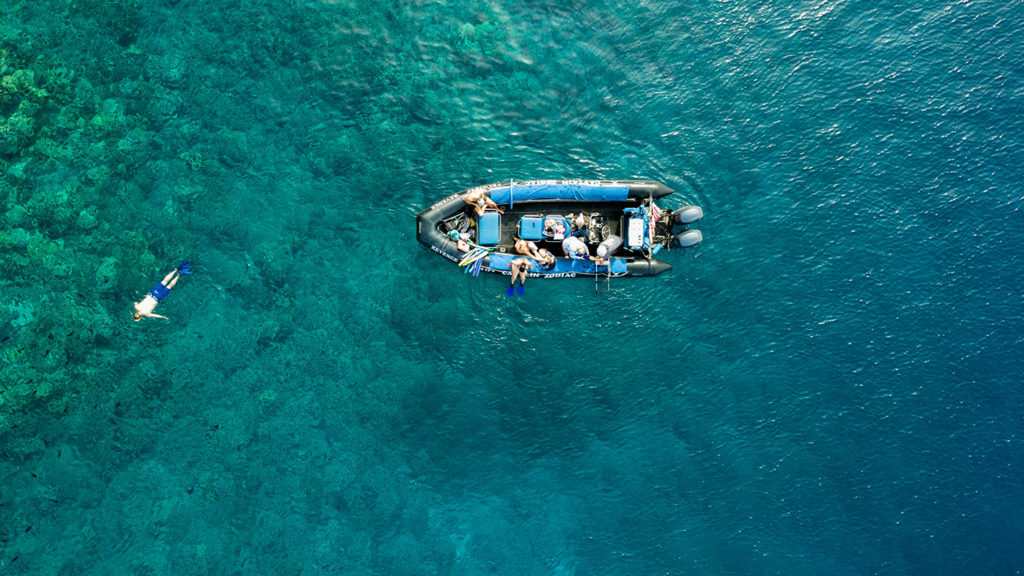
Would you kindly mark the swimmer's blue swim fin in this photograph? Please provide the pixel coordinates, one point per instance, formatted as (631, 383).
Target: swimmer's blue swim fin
(511, 291)
(520, 291)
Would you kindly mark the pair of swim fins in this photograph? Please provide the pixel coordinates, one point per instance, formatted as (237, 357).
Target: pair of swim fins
(512, 290)
(184, 267)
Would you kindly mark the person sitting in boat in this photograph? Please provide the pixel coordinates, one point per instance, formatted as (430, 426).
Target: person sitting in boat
(577, 250)
(519, 267)
(527, 248)
(479, 200)
(605, 249)
(146, 306)
(579, 225)
(547, 259)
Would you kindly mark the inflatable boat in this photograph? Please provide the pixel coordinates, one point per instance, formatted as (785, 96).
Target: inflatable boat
(618, 221)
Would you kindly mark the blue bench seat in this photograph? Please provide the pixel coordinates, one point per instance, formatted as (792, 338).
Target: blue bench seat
(489, 229)
(562, 265)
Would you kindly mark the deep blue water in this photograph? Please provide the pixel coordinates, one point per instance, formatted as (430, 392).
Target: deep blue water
(829, 384)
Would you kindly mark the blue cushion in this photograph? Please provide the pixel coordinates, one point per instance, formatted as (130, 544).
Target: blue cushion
(554, 191)
(500, 261)
(531, 228)
(489, 229)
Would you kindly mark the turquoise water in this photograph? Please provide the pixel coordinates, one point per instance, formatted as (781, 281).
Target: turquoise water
(829, 384)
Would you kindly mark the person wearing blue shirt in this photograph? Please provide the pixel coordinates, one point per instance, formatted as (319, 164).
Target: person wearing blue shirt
(575, 248)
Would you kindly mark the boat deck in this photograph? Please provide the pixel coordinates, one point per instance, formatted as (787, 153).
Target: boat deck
(601, 219)
(603, 203)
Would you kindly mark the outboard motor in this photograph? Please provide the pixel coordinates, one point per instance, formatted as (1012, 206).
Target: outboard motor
(609, 246)
(687, 215)
(687, 238)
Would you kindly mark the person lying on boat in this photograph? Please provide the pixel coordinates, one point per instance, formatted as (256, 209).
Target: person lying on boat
(527, 248)
(479, 200)
(547, 259)
(577, 250)
(146, 306)
(519, 267)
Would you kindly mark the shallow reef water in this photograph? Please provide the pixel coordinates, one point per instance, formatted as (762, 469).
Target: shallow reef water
(830, 383)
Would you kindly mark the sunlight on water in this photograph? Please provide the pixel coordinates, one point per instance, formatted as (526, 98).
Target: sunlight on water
(833, 367)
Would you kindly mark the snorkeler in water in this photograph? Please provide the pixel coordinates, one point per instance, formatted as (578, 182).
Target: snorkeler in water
(146, 306)
(519, 267)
